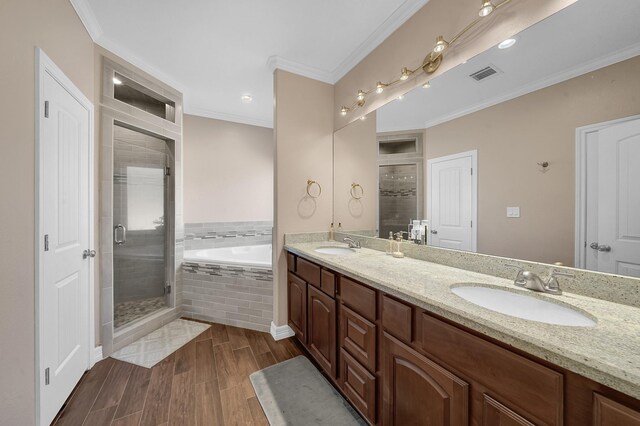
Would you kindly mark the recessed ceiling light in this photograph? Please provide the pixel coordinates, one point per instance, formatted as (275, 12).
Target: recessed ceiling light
(507, 43)
(246, 98)
(401, 97)
(364, 117)
(117, 81)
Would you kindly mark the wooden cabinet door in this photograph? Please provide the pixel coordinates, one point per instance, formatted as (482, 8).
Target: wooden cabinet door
(607, 412)
(417, 391)
(322, 330)
(297, 306)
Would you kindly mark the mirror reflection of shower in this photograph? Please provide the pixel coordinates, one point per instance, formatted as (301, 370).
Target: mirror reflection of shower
(141, 196)
(400, 181)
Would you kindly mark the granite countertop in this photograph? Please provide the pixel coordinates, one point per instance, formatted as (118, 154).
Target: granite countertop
(608, 353)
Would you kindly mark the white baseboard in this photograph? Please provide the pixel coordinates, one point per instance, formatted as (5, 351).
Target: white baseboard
(281, 332)
(96, 356)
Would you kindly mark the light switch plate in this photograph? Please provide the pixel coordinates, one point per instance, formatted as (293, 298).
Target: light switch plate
(513, 211)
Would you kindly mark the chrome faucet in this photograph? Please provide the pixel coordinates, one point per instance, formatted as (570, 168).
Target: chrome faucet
(531, 281)
(352, 243)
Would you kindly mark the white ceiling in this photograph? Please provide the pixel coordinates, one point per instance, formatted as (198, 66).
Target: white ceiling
(586, 36)
(214, 51)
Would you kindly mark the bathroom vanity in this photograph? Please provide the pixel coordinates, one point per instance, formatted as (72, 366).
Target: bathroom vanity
(403, 349)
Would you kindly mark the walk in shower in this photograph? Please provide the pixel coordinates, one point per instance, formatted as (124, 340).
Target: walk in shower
(141, 201)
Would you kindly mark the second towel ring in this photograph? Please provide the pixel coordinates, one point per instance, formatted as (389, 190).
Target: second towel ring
(310, 184)
(354, 191)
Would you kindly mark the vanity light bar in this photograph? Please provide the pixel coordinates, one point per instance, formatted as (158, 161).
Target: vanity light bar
(430, 63)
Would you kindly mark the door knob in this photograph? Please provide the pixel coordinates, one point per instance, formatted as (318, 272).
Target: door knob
(604, 248)
(88, 253)
(594, 246)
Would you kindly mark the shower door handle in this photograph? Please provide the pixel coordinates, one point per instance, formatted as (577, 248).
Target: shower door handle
(115, 234)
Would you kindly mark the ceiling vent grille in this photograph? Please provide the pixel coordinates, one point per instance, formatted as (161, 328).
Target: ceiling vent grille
(485, 73)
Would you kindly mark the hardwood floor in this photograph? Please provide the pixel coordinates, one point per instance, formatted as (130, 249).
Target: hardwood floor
(205, 382)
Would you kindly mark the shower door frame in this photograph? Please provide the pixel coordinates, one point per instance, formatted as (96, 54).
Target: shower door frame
(115, 111)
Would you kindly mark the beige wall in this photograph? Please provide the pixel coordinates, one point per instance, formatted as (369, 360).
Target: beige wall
(354, 153)
(24, 25)
(409, 44)
(228, 171)
(513, 136)
(304, 144)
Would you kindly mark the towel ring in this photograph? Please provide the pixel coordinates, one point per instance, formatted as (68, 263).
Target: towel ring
(310, 184)
(354, 191)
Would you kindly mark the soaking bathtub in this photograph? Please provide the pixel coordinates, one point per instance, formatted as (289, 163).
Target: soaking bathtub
(258, 256)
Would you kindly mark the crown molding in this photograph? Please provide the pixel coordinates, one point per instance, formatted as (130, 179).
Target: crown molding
(88, 18)
(278, 62)
(252, 121)
(388, 27)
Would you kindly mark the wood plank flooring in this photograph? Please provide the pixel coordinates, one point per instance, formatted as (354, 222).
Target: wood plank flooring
(205, 382)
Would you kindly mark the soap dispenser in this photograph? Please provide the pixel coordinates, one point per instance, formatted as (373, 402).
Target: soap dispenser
(397, 252)
(391, 243)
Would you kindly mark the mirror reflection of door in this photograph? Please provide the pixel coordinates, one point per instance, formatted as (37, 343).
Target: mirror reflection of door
(610, 236)
(451, 201)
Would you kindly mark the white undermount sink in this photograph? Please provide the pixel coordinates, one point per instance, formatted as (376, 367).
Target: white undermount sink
(523, 306)
(335, 250)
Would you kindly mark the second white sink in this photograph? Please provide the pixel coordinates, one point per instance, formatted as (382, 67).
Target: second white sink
(523, 306)
(335, 250)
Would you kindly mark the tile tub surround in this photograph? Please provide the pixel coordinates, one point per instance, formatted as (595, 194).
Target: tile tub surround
(231, 295)
(226, 234)
(607, 353)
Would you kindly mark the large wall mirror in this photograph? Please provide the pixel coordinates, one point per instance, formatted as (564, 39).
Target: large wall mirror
(530, 150)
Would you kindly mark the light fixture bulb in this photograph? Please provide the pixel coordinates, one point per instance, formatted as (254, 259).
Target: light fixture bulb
(364, 117)
(246, 98)
(379, 87)
(405, 74)
(117, 81)
(486, 8)
(441, 44)
(361, 95)
(507, 43)
(426, 85)
(401, 97)
(344, 110)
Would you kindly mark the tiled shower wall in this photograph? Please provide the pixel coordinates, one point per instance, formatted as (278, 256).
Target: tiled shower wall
(226, 234)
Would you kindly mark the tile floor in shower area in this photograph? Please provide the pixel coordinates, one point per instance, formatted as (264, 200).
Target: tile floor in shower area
(127, 312)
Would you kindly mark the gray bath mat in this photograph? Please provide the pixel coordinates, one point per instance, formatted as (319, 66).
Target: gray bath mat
(295, 393)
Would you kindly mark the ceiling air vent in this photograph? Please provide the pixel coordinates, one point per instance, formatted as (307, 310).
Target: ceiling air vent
(485, 72)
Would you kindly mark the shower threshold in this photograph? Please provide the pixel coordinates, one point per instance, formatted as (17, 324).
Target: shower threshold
(126, 313)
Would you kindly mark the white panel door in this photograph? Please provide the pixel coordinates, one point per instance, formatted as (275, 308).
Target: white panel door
(451, 197)
(619, 199)
(64, 306)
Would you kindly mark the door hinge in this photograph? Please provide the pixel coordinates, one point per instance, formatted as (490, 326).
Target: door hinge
(46, 109)
(472, 171)
(46, 376)
(167, 171)
(46, 242)
(472, 224)
(167, 289)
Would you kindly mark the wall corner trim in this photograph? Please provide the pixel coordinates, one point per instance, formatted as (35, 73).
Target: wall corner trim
(88, 18)
(281, 332)
(96, 356)
(278, 62)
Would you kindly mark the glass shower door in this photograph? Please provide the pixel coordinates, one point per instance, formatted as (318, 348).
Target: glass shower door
(139, 234)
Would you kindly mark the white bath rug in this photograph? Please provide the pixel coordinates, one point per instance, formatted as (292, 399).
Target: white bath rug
(156, 346)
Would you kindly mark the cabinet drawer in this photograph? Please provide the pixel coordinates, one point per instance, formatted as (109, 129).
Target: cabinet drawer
(328, 283)
(396, 318)
(310, 272)
(530, 389)
(358, 385)
(291, 262)
(359, 298)
(358, 337)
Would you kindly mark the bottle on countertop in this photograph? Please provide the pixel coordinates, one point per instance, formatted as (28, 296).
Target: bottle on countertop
(390, 245)
(340, 227)
(332, 232)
